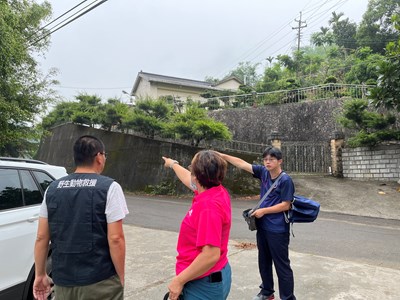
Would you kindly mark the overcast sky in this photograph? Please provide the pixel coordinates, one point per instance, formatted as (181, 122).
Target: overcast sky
(102, 52)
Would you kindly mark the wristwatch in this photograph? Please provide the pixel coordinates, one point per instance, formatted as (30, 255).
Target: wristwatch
(172, 163)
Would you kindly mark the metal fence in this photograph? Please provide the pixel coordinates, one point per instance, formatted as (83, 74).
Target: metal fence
(302, 157)
(298, 157)
(318, 92)
(236, 146)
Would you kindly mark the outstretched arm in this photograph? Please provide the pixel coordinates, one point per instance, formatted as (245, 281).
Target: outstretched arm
(237, 162)
(182, 173)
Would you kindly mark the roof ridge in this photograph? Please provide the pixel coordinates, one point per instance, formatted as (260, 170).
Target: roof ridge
(174, 77)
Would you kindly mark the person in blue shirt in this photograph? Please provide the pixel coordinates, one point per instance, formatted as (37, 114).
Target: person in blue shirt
(272, 229)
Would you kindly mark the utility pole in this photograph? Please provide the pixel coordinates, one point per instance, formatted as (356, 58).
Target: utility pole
(299, 28)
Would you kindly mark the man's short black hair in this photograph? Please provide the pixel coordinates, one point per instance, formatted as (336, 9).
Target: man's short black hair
(86, 148)
(272, 152)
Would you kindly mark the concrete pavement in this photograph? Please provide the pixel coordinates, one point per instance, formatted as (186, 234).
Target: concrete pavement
(151, 258)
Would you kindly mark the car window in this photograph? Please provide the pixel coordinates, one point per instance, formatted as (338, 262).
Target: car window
(10, 189)
(43, 179)
(32, 194)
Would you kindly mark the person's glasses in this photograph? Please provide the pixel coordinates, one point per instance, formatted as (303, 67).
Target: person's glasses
(104, 153)
(269, 159)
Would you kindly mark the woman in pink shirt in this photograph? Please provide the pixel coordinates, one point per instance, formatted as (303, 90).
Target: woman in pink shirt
(202, 267)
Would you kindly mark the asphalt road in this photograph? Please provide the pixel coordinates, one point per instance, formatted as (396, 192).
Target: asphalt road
(374, 241)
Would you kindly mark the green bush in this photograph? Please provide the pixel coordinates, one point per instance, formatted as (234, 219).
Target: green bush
(164, 188)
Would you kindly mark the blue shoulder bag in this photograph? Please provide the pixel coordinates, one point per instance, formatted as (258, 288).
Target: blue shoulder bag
(302, 210)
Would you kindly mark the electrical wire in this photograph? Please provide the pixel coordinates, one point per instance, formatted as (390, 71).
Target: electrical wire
(59, 17)
(268, 38)
(340, 2)
(68, 21)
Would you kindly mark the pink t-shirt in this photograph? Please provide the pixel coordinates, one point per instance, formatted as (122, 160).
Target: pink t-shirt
(208, 222)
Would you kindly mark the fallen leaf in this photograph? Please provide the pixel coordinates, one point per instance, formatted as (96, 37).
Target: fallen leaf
(245, 246)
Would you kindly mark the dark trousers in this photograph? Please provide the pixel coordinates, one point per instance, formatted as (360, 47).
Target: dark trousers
(273, 248)
(108, 289)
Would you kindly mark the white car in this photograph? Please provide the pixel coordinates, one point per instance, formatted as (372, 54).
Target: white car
(22, 185)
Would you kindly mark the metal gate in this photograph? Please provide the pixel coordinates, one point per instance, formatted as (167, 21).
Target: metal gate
(298, 157)
(306, 157)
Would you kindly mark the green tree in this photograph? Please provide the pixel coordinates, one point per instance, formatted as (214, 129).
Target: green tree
(363, 66)
(270, 59)
(24, 91)
(61, 113)
(149, 117)
(343, 31)
(194, 125)
(246, 72)
(112, 114)
(371, 127)
(288, 62)
(90, 110)
(322, 38)
(376, 28)
(374, 127)
(387, 93)
(211, 80)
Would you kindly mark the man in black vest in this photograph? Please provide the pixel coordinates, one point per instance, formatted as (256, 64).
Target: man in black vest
(82, 215)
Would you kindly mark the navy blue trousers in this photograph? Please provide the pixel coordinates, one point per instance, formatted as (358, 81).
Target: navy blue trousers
(273, 249)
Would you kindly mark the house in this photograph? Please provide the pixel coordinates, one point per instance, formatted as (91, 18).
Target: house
(229, 83)
(148, 85)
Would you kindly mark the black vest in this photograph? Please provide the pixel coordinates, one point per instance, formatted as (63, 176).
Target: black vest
(78, 229)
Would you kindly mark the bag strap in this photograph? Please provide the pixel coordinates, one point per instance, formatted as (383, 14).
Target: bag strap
(286, 215)
(267, 193)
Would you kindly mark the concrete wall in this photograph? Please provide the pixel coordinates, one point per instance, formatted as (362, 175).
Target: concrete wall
(145, 89)
(136, 162)
(231, 84)
(380, 163)
(178, 92)
(305, 121)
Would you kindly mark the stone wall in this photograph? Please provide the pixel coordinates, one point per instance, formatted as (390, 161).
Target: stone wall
(135, 162)
(312, 121)
(380, 163)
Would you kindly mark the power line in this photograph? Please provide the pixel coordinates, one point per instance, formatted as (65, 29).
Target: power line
(317, 7)
(313, 10)
(68, 21)
(43, 27)
(322, 14)
(260, 45)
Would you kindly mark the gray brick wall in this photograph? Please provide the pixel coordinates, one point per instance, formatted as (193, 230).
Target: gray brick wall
(379, 163)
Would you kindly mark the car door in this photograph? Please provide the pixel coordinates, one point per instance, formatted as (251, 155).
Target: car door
(20, 199)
